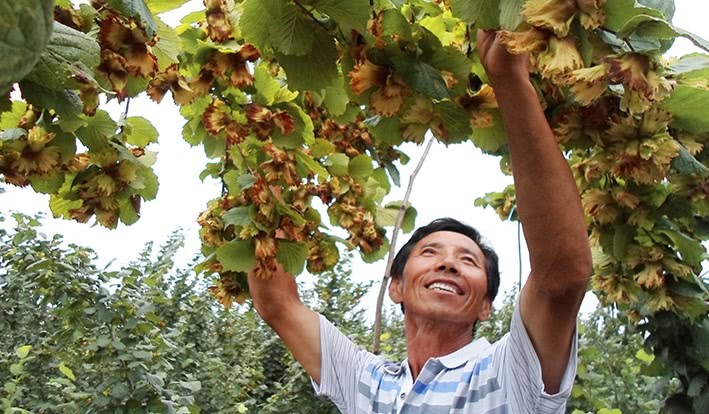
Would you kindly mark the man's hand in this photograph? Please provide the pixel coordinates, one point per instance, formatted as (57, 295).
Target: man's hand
(500, 65)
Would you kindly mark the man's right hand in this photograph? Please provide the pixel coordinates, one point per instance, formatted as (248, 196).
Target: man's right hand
(500, 65)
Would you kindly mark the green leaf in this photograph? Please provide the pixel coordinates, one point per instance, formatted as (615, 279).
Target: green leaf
(138, 10)
(23, 351)
(303, 131)
(24, 33)
(321, 148)
(162, 6)
(685, 163)
(689, 66)
(120, 391)
(193, 386)
(421, 77)
(688, 108)
(246, 181)
(311, 166)
(336, 99)
(395, 24)
(349, 14)
(144, 355)
(454, 120)
(360, 166)
(666, 8)
(620, 12)
(140, 132)
(47, 185)
(691, 250)
(70, 54)
(492, 138)
(377, 254)
(647, 26)
(237, 255)
(292, 33)
(622, 237)
(450, 59)
(150, 184)
(255, 21)
(266, 86)
(387, 131)
(66, 371)
(11, 118)
(485, 14)
(60, 207)
(15, 133)
(65, 102)
(127, 211)
(644, 356)
(510, 14)
(168, 45)
(98, 129)
(387, 215)
(698, 41)
(16, 369)
(103, 340)
(337, 164)
(315, 70)
(292, 255)
(238, 216)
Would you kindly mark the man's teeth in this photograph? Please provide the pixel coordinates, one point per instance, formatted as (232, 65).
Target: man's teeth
(444, 287)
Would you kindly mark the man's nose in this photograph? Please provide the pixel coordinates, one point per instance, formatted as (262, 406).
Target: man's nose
(447, 264)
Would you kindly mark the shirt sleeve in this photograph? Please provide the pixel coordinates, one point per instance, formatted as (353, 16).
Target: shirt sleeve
(341, 366)
(522, 373)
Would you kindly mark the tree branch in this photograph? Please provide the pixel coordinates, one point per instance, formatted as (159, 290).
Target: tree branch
(392, 250)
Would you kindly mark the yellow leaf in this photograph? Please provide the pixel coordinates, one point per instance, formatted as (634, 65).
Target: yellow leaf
(67, 371)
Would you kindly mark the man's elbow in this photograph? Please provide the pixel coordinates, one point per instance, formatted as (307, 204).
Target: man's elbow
(567, 277)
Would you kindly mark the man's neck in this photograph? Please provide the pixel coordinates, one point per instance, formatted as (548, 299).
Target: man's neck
(433, 339)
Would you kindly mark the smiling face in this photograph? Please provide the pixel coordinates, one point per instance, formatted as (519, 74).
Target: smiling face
(444, 280)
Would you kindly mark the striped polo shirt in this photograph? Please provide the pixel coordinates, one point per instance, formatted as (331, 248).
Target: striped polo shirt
(481, 378)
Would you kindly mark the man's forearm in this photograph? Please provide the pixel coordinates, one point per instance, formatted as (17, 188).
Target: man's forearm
(548, 202)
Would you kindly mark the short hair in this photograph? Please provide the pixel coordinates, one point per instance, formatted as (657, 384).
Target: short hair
(492, 270)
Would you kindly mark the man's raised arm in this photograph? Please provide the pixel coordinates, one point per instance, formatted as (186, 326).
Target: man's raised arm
(278, 303)
(549, 208)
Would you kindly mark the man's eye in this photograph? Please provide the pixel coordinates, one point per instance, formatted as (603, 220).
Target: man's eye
(468, 259)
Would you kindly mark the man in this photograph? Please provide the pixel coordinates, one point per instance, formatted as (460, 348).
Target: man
(445, 279)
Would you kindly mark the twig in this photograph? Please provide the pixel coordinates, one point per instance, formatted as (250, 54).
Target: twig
(392, 249)
(125, 117)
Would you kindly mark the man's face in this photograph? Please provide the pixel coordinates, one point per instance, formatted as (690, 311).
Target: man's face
(444, 280)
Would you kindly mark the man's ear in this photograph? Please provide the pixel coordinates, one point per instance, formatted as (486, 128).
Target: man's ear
(395, 289)
(485, 310)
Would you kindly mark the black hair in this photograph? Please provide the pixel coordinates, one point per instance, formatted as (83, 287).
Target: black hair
(492, 270)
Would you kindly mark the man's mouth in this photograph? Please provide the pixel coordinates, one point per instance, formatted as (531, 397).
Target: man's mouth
(444, 287)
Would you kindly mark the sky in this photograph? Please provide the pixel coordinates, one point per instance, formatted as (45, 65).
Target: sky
(447, 185)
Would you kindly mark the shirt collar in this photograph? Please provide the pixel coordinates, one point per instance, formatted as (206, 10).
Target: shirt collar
(450, 361)
(464, 354)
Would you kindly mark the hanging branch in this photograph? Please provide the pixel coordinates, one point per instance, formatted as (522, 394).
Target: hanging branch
(392, 250)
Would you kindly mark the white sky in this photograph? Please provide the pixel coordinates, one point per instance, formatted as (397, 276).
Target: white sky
(447, 185)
